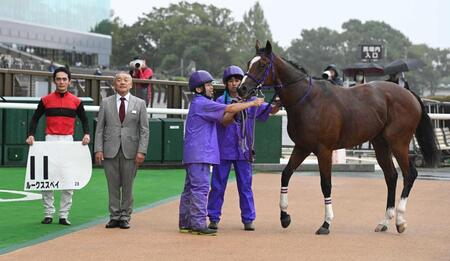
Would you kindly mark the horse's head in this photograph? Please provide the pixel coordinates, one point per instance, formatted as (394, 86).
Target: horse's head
(261, 72)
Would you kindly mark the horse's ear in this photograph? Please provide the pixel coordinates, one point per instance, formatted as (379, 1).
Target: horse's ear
(257, 45)
(268, 47)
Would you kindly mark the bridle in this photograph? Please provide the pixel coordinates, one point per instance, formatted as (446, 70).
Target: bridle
(260, 82)
(257, 91)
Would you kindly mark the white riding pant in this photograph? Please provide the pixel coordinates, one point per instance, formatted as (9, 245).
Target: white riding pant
(66, 195)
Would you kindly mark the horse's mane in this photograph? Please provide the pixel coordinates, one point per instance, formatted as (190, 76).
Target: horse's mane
(295, 65)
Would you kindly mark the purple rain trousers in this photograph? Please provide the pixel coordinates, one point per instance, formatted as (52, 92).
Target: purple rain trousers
(194, 197)
(200, 151)
(243, 170)
(231, 153)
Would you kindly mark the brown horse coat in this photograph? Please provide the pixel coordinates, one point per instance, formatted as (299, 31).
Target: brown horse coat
(323, 117)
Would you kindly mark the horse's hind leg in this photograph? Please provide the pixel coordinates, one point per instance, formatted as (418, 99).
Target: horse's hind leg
(324, 158)
(409, 173)
(384, 158)
(297, 157)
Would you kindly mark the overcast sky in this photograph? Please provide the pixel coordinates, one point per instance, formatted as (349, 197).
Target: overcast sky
(422, 21)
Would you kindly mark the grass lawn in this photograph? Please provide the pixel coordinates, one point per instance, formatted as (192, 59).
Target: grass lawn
(21, 220)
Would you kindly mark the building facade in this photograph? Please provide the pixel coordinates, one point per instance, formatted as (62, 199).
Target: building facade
(57, 30)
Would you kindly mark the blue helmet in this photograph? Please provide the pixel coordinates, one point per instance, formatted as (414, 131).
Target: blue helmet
(198, 78)
(232, 70)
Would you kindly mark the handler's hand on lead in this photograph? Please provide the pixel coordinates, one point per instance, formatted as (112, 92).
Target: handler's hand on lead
(140, 157)
(86, 139)
(99, 157)
(258, 101)
(30, 140)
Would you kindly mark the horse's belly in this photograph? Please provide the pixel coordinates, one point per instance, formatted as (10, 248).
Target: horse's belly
(359, 135)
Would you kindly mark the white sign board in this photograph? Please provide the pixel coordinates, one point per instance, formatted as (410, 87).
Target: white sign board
(371, 51)
(58, 165)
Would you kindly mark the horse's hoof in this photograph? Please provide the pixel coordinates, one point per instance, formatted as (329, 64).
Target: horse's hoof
(381, 228)
(285, 219)
(401, 228)
(323, 231)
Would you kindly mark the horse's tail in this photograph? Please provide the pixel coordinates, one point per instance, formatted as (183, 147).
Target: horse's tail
(426, 138)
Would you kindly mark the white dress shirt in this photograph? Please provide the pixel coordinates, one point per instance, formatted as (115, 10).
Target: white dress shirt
(118, 101)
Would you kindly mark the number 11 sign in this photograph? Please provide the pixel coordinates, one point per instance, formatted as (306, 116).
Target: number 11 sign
(58, 165)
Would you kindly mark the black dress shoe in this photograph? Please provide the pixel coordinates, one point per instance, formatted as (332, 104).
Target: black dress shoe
(47, 220)
(124, 224)
(64, 221)
(112, 223)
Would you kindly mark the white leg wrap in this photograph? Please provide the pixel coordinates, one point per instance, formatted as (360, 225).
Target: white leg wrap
(329, 215)
(401, 209)
(284, 199)
(390, 212)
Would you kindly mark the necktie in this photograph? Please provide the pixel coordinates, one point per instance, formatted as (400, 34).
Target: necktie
(122, 109)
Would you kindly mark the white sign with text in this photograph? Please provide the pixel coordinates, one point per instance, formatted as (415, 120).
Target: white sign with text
(57, 165)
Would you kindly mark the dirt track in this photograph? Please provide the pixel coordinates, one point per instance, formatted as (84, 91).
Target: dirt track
(358, 205)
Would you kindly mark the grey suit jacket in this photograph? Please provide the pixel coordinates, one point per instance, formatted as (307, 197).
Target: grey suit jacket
(131, 135)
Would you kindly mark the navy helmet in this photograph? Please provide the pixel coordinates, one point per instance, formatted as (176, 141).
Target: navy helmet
(230, 71)
(198, 78)
(334, 68)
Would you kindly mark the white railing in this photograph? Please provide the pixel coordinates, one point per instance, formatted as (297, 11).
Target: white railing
(32, 106)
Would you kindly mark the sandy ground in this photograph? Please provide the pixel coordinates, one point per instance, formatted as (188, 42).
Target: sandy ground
(358, 204)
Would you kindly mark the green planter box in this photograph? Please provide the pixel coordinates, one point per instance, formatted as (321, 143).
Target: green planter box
(1, 137)
(268, 141)
(268, 137)
(15, 155)
(15, 126)
(173, 133)
(154, 149)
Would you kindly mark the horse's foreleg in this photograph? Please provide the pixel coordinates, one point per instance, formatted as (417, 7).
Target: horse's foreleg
(324, 158)
(297, 157)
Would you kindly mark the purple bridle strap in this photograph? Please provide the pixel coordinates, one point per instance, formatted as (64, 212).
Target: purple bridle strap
(265, 75)
(261, 81)
(308, 91)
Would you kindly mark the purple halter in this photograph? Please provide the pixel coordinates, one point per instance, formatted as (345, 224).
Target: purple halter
(260, 82)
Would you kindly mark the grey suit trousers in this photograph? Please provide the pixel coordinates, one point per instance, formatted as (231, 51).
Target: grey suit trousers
(120, 173)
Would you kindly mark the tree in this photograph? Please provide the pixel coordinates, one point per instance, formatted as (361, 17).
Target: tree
(355, 33)
(123, 40)
(192, 32)
(316, 49)
(198, 34)
(428, 77)
(105, 27)
(254, 27)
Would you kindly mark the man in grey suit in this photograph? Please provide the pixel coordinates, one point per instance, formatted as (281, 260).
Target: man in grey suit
(121, 140)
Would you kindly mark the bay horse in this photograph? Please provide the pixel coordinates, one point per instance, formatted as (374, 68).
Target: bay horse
(323, 117)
